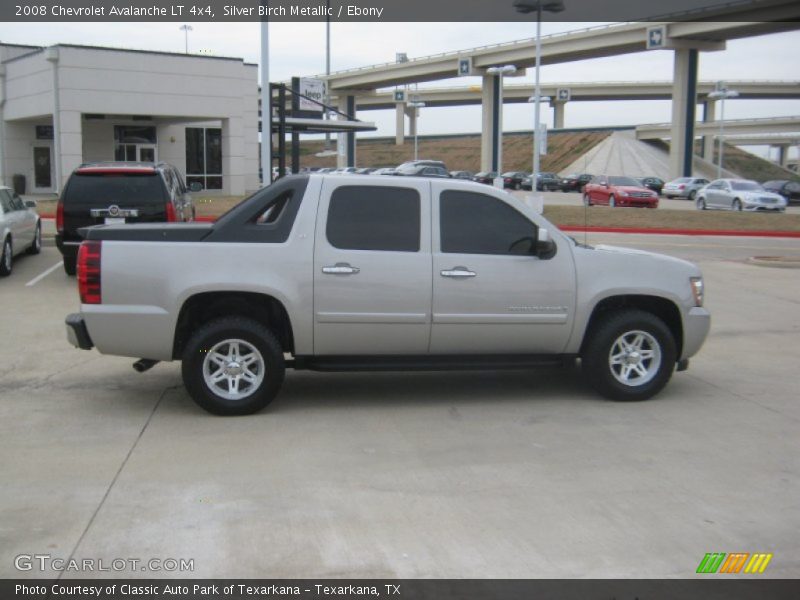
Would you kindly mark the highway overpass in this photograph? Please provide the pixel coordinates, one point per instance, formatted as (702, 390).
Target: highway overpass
(685, 38)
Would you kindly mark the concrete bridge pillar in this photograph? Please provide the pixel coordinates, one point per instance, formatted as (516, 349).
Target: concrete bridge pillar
(709, 114)
(684, 102)
(491, 121)
(400, 124)
(783, 155)
(558, 114)
(413, 113)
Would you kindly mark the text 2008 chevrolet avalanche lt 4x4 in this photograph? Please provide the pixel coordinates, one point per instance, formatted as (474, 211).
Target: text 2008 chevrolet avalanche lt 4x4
(369, 273)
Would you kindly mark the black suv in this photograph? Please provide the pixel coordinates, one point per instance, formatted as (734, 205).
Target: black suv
(119, 192)
(574, 182)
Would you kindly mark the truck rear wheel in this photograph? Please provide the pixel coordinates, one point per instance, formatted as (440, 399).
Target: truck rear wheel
(629, 356)
(233, 366)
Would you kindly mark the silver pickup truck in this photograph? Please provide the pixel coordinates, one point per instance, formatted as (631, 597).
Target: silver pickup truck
(345, 273)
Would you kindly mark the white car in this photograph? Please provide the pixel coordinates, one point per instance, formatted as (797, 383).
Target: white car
(739, 194)
(20, 228)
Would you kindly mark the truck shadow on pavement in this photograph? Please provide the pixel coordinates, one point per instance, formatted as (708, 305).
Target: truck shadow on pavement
(306, 390)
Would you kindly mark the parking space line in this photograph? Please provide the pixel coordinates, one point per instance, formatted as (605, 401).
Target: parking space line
(41, 276)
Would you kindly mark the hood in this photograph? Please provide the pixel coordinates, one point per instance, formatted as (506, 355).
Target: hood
(761, 194)
(632, 188)
(645, 254)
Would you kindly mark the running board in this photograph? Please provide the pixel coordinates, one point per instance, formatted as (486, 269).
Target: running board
(458, 362)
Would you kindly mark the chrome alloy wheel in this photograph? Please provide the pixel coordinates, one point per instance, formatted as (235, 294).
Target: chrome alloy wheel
(233, 369)
(635, 358)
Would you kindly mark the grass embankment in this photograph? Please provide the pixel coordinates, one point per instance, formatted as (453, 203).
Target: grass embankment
(643, 218)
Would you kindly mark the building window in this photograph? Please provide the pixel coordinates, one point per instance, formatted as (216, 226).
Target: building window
(44, 132)
(204, 157)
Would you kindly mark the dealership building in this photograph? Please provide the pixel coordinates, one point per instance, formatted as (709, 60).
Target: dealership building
(64, 105)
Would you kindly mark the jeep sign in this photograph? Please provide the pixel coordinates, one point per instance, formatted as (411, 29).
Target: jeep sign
(313, 89)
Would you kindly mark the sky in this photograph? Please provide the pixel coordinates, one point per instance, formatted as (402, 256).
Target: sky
(299, 49)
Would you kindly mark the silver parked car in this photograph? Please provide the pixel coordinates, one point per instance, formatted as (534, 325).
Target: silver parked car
(20, 228)
(739, 194)
(684, 187)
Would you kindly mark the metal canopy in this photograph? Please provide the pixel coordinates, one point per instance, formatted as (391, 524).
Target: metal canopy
(322, 126)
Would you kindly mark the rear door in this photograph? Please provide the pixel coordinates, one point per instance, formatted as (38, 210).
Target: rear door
(372, 268)
(490, 294)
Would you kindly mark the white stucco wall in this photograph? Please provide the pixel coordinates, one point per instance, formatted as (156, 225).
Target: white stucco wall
(175, 90)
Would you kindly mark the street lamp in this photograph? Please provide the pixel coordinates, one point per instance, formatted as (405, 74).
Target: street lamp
(416, 105)
(722, 93)
(537, 6)
(186, 29)
(499, 72)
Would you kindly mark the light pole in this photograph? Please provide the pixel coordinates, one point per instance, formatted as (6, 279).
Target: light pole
(537, 142)
(499, 72)
(186, 29)
(327, 70)
(526, 7)
(416, 105)
(722, 93)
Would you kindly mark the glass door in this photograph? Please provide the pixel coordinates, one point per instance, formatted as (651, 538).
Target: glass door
(42, 168)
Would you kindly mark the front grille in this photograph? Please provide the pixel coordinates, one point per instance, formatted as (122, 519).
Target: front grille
(767, 200)
(639, 195)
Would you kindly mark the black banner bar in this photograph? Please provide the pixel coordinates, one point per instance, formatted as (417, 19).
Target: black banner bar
(749, 588)
(388, 10)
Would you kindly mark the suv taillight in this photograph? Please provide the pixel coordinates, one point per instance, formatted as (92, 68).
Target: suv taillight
(171, 217)
(60, 216)
(89, 272)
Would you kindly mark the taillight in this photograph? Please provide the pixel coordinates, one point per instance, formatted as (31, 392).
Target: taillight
(60, 216)
(682, 186)
(171, 216)
(89, 272)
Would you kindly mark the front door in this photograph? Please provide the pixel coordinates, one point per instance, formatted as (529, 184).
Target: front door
(490, 293)
(42, 168)
(372, 268)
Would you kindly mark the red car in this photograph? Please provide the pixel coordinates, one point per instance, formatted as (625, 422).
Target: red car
(618, 191)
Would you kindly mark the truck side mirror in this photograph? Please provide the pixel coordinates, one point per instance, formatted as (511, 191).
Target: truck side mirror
(195, 186)
(545, 246)
(30, 203)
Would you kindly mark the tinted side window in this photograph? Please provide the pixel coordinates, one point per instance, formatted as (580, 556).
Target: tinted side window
(473, 223)
(374, 218)
(5, 201)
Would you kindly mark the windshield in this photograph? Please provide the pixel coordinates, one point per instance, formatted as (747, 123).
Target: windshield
(683, 180)
(746, 186)
(624, 181)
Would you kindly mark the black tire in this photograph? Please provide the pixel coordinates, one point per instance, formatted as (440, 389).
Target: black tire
(668, 197)
(612, 202)
(70, 265)
(601, 340)
(587, 201)
(6, 258)
(737, 205)
(243, 330)
(692, 195)
(36, 244)
(701, 203)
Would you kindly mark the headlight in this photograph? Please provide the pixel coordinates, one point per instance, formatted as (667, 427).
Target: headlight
(697, 290)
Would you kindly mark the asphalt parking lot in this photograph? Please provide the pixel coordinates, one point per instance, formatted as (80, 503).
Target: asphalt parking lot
(480, 474)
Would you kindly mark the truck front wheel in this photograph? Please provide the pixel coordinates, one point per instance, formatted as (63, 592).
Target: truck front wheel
(630, 355)
(233, 366)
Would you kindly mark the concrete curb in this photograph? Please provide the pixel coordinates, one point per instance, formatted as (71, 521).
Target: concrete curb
(777, 262)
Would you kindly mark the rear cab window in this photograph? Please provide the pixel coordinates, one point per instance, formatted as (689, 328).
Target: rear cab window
(374, 218)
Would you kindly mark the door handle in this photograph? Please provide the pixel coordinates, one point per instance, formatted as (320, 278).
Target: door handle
(458, 272)
(341, 269)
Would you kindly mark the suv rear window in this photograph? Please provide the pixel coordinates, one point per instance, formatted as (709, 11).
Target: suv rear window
(122, 189)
